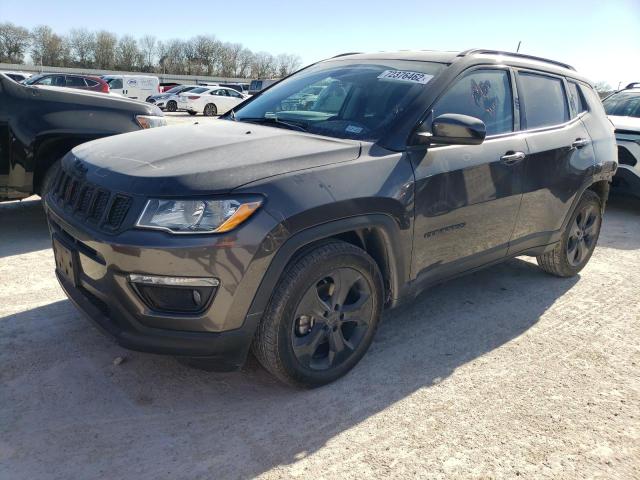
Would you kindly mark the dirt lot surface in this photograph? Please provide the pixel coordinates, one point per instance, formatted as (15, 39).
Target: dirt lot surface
(503, 373)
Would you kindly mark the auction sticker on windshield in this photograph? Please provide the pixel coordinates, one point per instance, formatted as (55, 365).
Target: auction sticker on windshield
(405, 76)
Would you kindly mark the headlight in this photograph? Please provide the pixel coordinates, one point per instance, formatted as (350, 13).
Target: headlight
(150, 121)
(196, 216)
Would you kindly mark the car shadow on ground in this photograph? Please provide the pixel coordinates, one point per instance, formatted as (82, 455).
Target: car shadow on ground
(242, 424)
(23, 227)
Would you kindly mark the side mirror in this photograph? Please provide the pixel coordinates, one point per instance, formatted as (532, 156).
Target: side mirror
(454, 129)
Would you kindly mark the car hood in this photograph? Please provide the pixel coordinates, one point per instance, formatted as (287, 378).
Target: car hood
(200, 159)
(625, 123)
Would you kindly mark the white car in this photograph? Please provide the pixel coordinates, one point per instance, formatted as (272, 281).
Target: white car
(169, 100)
(623, 108)
(210, 100)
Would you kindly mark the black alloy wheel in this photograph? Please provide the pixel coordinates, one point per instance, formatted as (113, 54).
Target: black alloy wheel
(332, 319)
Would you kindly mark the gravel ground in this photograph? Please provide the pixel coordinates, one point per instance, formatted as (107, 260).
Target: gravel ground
(507, 372)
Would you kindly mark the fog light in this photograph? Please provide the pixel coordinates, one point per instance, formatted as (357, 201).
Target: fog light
(175, 294)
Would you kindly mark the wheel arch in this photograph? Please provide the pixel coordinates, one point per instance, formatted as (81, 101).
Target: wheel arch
(47, 150)
(377, 234)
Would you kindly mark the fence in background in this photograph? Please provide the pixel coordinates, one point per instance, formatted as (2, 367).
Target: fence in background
(164, 77)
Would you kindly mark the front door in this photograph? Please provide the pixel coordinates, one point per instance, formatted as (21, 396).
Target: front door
(468, 196)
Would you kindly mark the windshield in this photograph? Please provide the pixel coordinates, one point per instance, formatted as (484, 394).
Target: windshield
(624, 104)
(176, 89)
(342, 98)
(114, 83)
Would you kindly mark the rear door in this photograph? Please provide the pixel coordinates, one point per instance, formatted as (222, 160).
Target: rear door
(560, 158)
(467, 196)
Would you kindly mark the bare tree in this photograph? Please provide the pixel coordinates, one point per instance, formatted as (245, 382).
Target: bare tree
(263, 65)
(603, 89)
(14, 42)
(104, 51)
(47, 48)
(245, 60)
(82, 46)
(287, 64)
(203, 54)
(128, 56)
(148, 47)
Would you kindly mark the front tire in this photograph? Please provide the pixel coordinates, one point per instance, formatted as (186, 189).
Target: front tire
(172, 106)
(572, 253)
(322, 317)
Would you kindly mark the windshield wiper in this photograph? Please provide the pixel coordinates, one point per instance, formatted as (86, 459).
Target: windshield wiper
(274, 120)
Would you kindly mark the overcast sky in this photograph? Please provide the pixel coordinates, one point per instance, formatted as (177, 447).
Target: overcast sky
(600, 38)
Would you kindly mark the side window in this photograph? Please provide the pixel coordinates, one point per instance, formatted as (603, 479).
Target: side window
(91, 83)
(575, 99)
(44, 81)
(76, 82)
(59, 81)
(484, 94)
(233, 93)
(220, 93)
(544, 100)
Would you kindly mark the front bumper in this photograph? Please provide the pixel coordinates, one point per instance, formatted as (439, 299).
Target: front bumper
(100, 286)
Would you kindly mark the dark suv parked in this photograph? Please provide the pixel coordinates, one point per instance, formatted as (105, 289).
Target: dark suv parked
(288, 231)
(39, 125)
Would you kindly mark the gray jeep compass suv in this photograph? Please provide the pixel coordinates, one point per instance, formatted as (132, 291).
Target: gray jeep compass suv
(287, 226)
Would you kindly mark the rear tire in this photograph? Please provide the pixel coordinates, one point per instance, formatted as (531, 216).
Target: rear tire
(210, 110)
(172, 106)
(572, 253)
(49, 179)
(322, 317)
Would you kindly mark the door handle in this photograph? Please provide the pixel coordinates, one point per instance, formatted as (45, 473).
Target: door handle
(580, 142)
(512, 158)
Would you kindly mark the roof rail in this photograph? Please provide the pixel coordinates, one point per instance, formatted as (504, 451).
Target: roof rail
(345, 54)
(512, 54)
(633, 85)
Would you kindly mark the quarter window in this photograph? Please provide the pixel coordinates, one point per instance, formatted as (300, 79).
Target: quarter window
(484, 94)
(544, 100)
(575, 99)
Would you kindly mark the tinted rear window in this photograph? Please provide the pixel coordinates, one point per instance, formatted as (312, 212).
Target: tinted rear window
(543, 100)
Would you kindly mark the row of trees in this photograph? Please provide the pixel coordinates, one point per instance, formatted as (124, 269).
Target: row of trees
(200, 55)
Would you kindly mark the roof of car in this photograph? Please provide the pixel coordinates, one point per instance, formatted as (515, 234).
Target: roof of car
(472, 55)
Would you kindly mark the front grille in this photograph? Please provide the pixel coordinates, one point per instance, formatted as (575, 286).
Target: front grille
(106, 209)
(118, 211)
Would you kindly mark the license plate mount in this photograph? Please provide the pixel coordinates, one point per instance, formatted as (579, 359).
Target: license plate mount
(65, 261)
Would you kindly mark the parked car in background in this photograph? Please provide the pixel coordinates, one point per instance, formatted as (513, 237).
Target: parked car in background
(288, 232)
(136, 87)
(239, 87)
(40, 124)
(81, 82)
(258, 85)
(166, 86)
(17, 76)
(169, 100)
(210, 101)
(623, 108)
